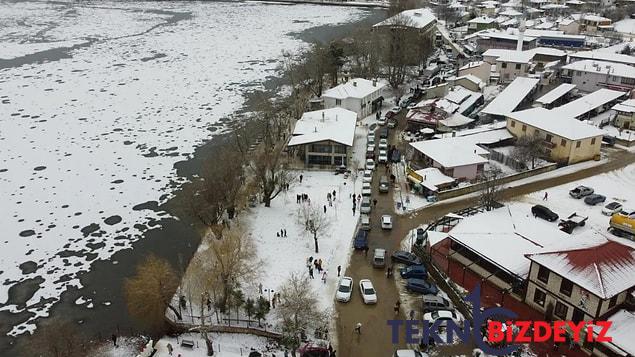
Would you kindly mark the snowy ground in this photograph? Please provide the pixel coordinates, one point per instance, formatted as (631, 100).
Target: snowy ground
(126, 347)
(625, 26)
(89, 134)
(225, 345)
(283, 256)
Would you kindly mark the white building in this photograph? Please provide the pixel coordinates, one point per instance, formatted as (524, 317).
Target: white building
(591, 75)
(358, 95)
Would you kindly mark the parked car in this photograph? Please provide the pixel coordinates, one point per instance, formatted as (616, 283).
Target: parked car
(383, 157)
(367, 190)
(433, 303)
(594, 199)
(344, 289)
(414, 271)
(381, 121)
(392, 112)
(421, 286)
(401, 256)
(379, 258)
(361, 240)
(383, 133)
(386, 221)
(365, 222)
(392, 123)
(444, 316)
(608, 140)
(370, 140)
(370, 164)
(365, 205)
(383, 144)
(409, 353)
(580, 192)
(384, 184)
(543, 212)
(612, 208)
(368, 176)
(367, 290)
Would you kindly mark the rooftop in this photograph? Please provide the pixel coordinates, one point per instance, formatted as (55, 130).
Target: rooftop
(355, 88)
(416, 18)
(604, 67)
(557, 123)
(605, 56)
(482, 20)
(335, 124)
(622, 327)
(451, 152)
(627, 106)
(605, 270)
(556, 93)
(587, 103)
(433, 177)
(511, 96)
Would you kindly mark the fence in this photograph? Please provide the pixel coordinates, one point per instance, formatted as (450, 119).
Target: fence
(444, 195)
(506, 160)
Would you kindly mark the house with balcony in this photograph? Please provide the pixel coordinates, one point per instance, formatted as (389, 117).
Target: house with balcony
(591, 75)
(566, 139)
(324, 138)
(358, 95)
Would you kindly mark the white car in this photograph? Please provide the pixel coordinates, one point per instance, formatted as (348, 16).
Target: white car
(386, 221)
(368, 291)
(383, 156)
(444, 316)
(381, 121)
(370, 148)
(612, 208)
(371, 139)
(368, 176)
(367, 190)
(344, 289)
(370, 164)
(383, 144)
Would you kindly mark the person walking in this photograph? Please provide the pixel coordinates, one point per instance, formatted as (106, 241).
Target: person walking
(285, 233)
(324, 277)
(374, 202)
(300, 178)
(358, 328)
(334, 195)
(311, 273)
(114, 339)
(412, 314)
(366, 251)
(170, 348)
(546, 196)
(324, 209)
(396, 308)
(353, 210)
(339, 270)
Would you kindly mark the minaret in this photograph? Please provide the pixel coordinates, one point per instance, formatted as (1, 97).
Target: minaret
(521, 34)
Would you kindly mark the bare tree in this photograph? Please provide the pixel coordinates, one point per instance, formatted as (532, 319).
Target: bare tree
(58, 339)
(397, 6)
(528, 149)
(401, 48)
(314, 220)
(490, 193)
(364, 51)
(149, 292)
(298, 309)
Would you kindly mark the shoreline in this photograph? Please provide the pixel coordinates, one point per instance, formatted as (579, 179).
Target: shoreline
(103, 283)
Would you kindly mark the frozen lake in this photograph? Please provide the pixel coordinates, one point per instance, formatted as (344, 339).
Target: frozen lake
(98, 101)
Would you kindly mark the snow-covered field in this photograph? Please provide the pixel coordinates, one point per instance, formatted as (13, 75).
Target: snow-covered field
(225, 345)
(88, 135)
(625, 26)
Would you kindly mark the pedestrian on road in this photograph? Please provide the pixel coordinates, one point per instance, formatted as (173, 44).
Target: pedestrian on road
(281, 232)
(285, 233)
(358, 328)
(366, 251)
(170, 348)
(324, 208)
(353, 210)
(374, 202)
(324, 277)
(311, 273)
(339, 270)
(545, 197)
(300, 178)
(396, 308)
(334, 195)
(260, 288)
(114, 339)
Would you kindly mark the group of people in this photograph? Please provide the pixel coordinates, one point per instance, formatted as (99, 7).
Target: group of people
(302, 197)
(282, 233)
(317, 265)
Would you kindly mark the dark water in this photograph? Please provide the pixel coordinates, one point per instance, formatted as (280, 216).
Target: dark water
(174, 241)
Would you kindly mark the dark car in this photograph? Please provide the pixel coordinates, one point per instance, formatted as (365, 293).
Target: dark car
(421, 286)
(414, 271)
(383, 133)
(580, 191)
(608, 140)
(401, 256)
(594, 199)
(361, 240)
(543, 212)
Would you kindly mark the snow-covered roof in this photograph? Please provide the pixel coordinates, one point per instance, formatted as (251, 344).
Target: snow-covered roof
(335, 124)
(416, 18)
(627, 106)
(472, 78)
(505, 36)
(451, 152)
(596, 18)
(589, 102)
(515, 56)
(471, 65)
(458, 95)
(355, 88)
(457, 119)
(574, 2)
(433, 177)
(566, 22)
(622, 327)
(482, 20)
(557, 123)
(591, 66)
(605, 56)
(506, 235)
(547, 51)
(556, 93)
(511, 96)
(604, 270)
(510, 12)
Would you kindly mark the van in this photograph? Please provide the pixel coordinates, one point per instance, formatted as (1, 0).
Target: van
(365, 222)
(434, 303)
(379, 258)
(384, 184)
(365, 206)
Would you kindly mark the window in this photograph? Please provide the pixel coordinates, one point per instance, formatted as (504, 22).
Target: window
(319, 160)
(320, 148)
(613, 301)
(577, 144)
(339, 149)
(524, 127)
(543, 274)
(566, 287)
(549, 137)
(338, 102)
(539, 297)
(628, 81)
(593, 141)
(561, 310)
(504, 65)
(517, 65)
(563, 142)
(578, 73)
(513, 123)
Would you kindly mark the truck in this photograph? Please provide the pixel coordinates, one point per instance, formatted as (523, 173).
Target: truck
(623, 221)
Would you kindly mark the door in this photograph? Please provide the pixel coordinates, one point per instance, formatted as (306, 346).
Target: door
(578, 315)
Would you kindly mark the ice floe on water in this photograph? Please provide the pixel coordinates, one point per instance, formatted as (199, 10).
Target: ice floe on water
(90, 128)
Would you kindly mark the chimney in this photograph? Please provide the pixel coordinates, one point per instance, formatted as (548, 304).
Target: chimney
(354, 84)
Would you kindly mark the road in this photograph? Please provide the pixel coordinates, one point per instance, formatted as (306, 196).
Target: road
(375, 339)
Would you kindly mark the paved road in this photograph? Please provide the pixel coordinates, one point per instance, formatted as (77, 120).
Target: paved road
(375, 339)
